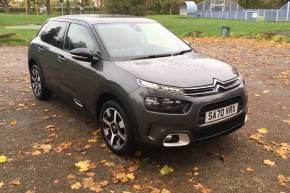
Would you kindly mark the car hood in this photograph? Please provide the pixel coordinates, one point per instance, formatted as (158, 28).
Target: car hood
(188, 70)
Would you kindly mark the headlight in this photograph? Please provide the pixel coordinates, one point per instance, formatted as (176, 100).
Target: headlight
(165, 105)
(162, 88)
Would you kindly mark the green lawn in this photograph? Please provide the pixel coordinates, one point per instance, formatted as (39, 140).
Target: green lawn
(181, 25)
(178, 24)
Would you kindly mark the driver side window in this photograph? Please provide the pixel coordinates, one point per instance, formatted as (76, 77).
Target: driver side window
(78, 36)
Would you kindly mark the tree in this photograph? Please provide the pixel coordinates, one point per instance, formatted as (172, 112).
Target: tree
(47, 7)
(5, 4)
(126, 7)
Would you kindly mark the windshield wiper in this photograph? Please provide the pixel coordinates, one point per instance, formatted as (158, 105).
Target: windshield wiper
(152, 56)
(182, 52)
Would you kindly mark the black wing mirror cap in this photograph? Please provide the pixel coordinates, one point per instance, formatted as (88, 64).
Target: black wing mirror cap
(82, 54)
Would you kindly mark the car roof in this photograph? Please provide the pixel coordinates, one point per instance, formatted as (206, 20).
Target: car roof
(102, 18)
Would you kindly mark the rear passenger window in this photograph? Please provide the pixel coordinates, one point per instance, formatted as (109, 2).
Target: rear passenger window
(54, 32)
(78, 36)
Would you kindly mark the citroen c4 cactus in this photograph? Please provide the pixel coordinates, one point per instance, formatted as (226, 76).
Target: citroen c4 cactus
(143, 84)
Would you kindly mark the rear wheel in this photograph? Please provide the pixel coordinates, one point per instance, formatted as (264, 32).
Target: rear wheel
(37, 83)
(116, 128)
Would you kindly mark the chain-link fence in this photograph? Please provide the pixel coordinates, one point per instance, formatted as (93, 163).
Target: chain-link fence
(282, 14)
(228, 9)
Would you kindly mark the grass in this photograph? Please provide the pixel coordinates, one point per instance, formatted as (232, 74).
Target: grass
(21, 19)
(181, 25)
(177, 24)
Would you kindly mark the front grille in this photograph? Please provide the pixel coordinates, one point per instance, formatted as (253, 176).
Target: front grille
(218, 105)
(218, 129)
(216, 87)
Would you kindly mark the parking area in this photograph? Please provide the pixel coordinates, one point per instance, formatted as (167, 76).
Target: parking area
(53, 147)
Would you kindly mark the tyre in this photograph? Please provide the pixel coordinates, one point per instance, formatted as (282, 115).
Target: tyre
(116, 128)
(37, 83)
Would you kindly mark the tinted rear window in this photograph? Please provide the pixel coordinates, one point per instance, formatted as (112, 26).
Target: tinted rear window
(54, 33)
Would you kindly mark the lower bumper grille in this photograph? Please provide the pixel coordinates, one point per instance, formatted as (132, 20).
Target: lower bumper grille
(219, 129)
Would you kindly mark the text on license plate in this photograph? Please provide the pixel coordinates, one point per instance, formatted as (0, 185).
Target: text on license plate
(222, 113)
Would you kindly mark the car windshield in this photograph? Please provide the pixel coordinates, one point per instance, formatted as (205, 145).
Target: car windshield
(139, 40)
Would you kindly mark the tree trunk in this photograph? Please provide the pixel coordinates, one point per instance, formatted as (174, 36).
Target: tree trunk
(67, 7)
(28, 6)
(170, 10)
(6, 6)
(48, 7)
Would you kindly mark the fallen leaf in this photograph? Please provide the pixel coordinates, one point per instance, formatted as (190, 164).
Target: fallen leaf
(166, 170)
(88, 183)
(13, 123)
(1, 184)
(103, 183)
(93, 140)
(266, 91)
(287, 121)
(201, 188)
(3, 159)
(91, 174)
(164, 190)
(71, 177)
(15, 182)
(269, 162)
(263, 131)
(76, 186)
(137, 187)
(83, 165)
(249, 170)
(282, 180)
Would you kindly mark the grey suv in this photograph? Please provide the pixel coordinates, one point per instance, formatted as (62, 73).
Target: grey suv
(143, 84)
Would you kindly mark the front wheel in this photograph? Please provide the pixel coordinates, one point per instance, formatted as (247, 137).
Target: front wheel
(37, 83)
(116, 128)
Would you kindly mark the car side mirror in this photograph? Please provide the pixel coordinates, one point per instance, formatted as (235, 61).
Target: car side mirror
(84, 54)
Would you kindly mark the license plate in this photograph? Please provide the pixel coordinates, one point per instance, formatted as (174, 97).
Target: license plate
(222, 113)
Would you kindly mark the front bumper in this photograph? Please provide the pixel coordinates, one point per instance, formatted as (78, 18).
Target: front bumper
(153, 127)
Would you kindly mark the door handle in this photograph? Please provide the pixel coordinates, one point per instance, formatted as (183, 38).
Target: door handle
(61, 58)
(40, 49)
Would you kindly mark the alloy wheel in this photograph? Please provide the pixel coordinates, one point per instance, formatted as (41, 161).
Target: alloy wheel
(36, 82)
(114, 128)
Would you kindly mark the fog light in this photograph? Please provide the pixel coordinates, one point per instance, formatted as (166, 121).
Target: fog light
(166, 105)
(171, 139)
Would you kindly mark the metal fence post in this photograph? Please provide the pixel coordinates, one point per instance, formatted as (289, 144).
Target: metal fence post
(277, 13)
(288, 9)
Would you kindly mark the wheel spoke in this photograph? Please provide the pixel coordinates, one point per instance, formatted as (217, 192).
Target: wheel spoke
(121, 135)
(112, 139)
(115, 116)
(106, 122)
(108, 113)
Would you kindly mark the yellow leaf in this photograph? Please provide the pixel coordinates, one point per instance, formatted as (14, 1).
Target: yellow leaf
(266, 91)
(269, 162)
(13, 123)
(93, 140)
(249, 170)
(166, 170)
(83, 165)
(263, 131)
(164, 190)
(287, 121)
(282, 180)
(1, 184)
(3, 159)
(76, 186)
(131, 176)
